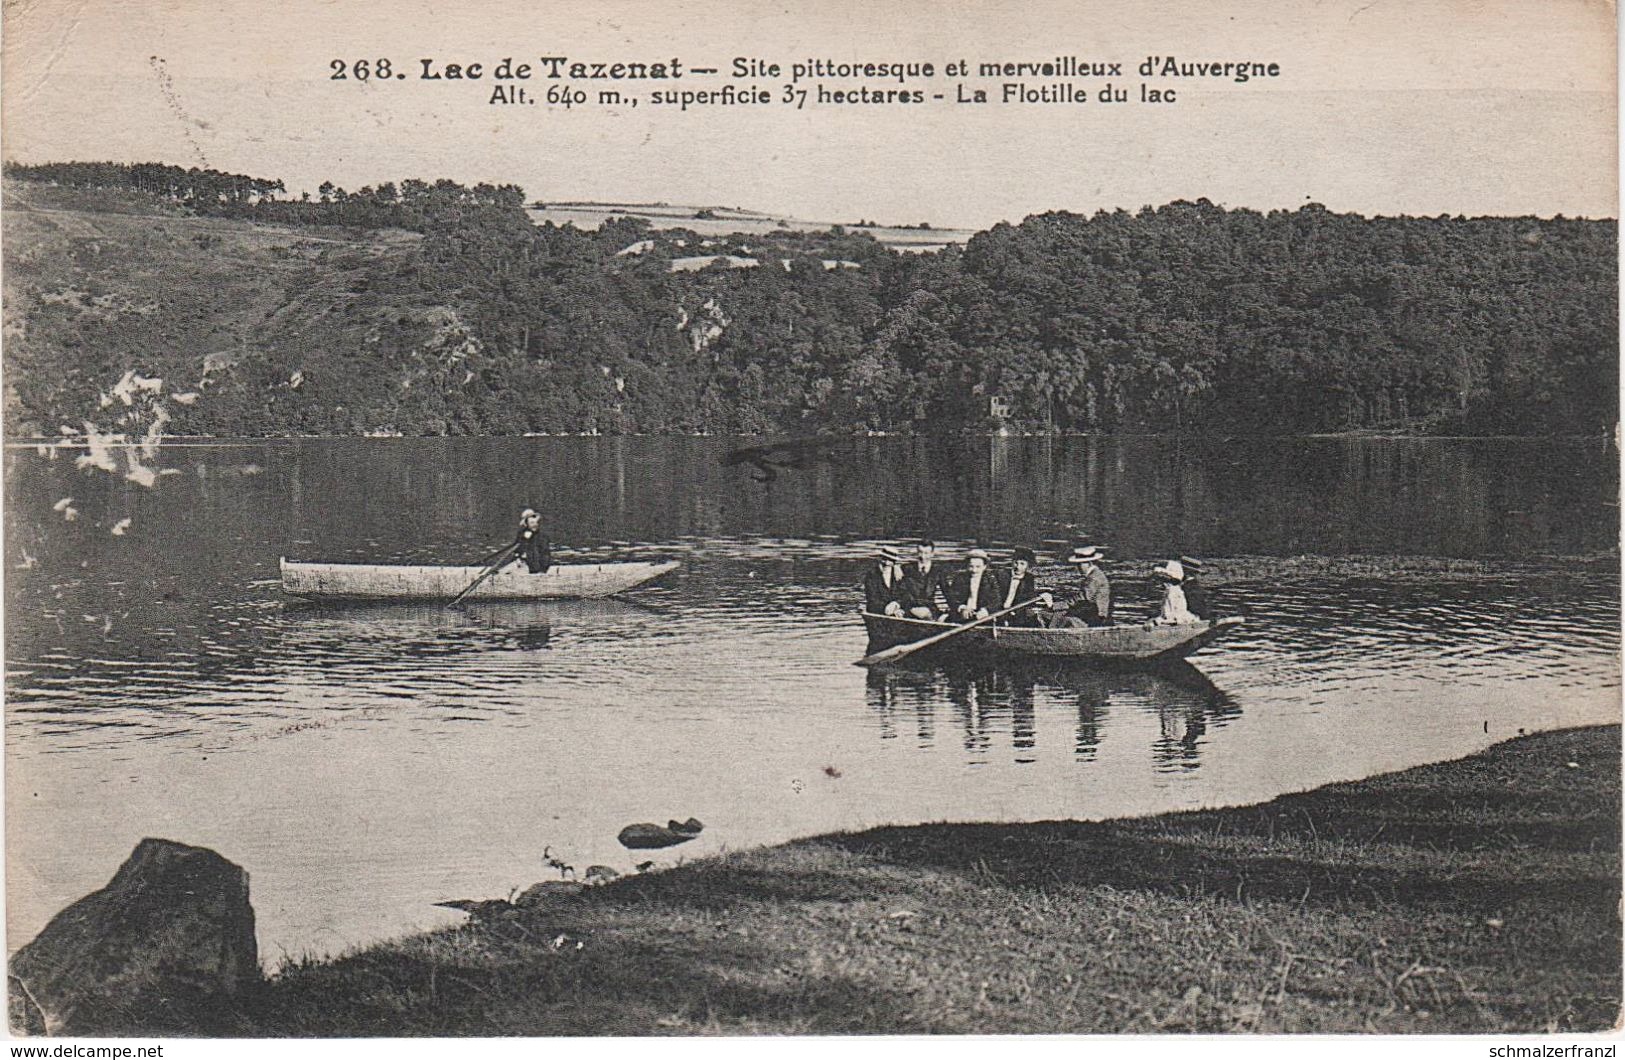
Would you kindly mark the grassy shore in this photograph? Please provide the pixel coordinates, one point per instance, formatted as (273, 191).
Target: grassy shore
(1477, 895)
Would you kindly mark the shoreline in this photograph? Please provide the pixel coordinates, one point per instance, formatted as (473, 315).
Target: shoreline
(1477, 895)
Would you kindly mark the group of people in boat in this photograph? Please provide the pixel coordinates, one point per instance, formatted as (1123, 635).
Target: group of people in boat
(929, 590)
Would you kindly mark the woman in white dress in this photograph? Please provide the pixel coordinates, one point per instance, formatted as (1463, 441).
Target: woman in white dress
(1174, 610)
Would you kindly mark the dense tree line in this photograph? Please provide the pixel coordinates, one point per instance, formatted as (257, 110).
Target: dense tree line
(415, 205)
(1185, 317)
(200, 187)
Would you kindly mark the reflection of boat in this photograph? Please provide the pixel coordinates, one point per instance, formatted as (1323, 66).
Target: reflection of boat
(1166, 681)
(496, 614)
(369, 581)
(1109, 643)
(1181, 678)
(1010, 691)
(524, 623)
(360, 630)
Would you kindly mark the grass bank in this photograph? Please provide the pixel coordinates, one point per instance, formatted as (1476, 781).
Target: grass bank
(1476, 895)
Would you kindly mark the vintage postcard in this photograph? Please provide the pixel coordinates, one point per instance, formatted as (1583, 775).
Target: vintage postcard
(867, 518)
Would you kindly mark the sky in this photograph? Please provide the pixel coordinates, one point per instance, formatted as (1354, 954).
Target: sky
(1381, 106)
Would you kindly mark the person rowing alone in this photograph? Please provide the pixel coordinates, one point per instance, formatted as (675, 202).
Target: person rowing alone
(530, 547)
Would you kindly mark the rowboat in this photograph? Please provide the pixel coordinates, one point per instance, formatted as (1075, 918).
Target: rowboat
(376, 581)
(1101, 643)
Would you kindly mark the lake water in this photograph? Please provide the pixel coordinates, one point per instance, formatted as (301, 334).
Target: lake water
(1407, 601)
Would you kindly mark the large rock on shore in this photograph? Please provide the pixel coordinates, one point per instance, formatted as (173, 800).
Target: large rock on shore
(167, 946)
(644, 836)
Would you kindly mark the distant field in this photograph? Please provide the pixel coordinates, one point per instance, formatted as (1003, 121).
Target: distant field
(589, 215)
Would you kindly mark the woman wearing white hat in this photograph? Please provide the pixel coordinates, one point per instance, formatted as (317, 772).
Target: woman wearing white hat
(1174, 610)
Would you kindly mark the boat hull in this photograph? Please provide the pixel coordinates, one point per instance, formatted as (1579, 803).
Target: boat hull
(370, 581)
(1105, 643)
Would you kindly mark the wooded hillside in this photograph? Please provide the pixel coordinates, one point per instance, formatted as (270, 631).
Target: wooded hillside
(437, 309)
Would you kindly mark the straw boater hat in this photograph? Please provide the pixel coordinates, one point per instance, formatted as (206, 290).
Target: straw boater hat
(1192, 564)
(976, 553)
(1085, 554)
(1173, 570)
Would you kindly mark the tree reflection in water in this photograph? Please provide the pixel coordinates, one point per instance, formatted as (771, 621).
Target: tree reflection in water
(987, 697)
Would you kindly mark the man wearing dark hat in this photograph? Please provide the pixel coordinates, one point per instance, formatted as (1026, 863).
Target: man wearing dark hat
(975, 592)
(883, 583)
(1093, 604)
(925, 584)
(1195, 595)
(1020, 586)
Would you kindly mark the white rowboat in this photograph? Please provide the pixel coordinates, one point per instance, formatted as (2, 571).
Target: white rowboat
(378, 581)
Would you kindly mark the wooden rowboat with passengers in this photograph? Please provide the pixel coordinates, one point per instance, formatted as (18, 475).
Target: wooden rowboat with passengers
(1139, 643)
(377, 581)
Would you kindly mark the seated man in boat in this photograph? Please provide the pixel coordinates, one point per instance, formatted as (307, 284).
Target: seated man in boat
(1092, 606)
(883, 584)
(1196, 599)
(975, 592)
(925, 585)
(1174, 611)
(531, 548)
(1020, 586)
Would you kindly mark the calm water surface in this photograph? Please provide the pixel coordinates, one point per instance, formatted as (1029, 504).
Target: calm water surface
(365, 762)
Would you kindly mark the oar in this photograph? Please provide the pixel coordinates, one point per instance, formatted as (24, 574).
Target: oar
(492, 557)
(896, 652)
(487, 572)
